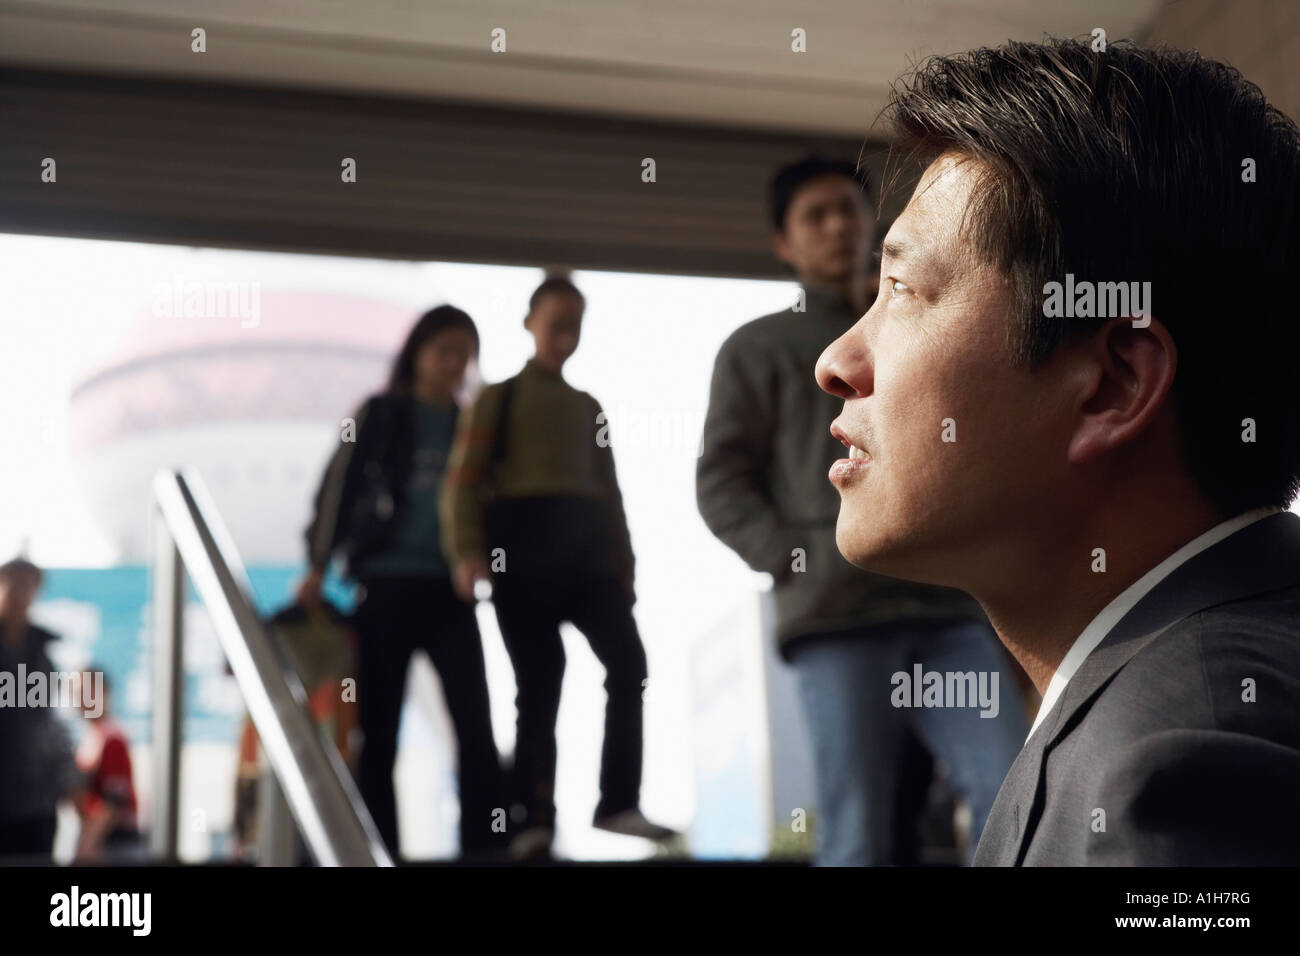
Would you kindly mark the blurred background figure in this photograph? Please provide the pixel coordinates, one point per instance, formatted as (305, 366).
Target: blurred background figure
(560, 550)
(378, 506)
(319, 644)
(37, 766)
(107, 802)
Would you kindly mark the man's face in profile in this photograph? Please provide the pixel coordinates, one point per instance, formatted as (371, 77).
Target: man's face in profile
(930, 361)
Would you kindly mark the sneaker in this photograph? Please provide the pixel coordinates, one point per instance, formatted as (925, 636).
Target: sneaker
(532, 843)
(633, 823)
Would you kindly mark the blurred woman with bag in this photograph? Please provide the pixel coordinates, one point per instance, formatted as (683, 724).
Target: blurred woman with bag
(378, 507)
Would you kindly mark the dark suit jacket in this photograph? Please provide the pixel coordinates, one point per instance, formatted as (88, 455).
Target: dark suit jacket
(1155, 754)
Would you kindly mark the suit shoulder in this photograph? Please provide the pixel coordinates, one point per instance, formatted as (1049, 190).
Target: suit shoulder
(1261, 623)
(1250, 653)
(1233, 668)
(1197, 797)
(1162, 687)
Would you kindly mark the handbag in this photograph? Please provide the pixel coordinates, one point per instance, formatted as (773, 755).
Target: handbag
(372, 518)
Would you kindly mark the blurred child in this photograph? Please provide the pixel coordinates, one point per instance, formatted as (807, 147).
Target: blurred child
(107, 804)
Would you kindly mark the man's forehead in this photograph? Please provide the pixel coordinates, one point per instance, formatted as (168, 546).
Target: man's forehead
(831, 188)
(949, 167)
(563, 303)
(930, 227)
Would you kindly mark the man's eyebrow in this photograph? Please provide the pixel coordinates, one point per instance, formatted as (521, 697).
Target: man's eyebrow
(896, 249)
(920, 259)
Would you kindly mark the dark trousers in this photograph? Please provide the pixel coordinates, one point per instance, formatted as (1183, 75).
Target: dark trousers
(559, 567)
(396, 617)
(28, 841)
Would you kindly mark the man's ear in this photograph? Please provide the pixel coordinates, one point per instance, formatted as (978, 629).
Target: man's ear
(781, 248)
(1125, 375)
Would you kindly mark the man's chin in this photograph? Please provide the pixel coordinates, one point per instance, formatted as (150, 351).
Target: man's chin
(869, 554)
(870, 550)
(894, 559)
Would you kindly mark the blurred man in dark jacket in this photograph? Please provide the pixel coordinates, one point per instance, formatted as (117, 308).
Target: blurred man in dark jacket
(37, 767)
(763, 490)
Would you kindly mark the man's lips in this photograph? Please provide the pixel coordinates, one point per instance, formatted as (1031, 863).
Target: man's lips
(856, 451)
(845, 469)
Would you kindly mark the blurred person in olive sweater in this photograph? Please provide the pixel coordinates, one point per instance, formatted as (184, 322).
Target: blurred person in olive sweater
(532, 503)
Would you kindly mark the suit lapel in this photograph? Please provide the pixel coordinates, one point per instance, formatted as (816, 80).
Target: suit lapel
(1102, 664)
(1262, 557)
(1003, 835)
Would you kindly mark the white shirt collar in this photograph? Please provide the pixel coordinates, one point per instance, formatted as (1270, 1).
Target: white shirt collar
(1127, 599)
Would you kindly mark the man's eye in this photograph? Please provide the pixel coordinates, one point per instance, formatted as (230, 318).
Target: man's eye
(895, 286)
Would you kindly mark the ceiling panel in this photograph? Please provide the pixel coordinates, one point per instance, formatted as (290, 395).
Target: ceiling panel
(717, 61)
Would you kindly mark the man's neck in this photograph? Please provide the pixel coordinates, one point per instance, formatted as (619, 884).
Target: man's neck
(12, 629)
(1048, 594)
(543, 365)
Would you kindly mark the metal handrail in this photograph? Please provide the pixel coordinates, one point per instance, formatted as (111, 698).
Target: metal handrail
(190, 536)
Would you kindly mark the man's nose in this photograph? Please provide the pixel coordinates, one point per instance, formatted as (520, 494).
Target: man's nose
(842, 224)
(844, 369)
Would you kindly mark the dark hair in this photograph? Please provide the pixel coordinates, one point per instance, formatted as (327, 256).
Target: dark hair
(551, 285)
(790, 179)
(430, 325)
(18, 567)
(1128, 165)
